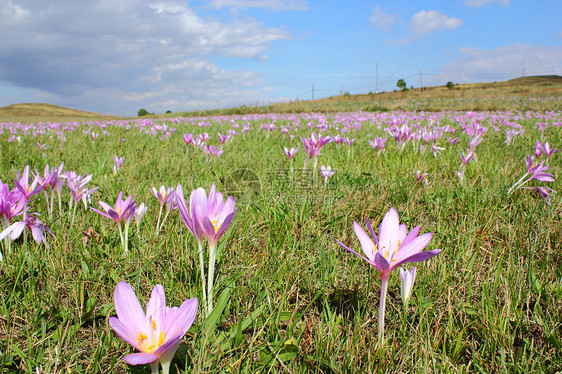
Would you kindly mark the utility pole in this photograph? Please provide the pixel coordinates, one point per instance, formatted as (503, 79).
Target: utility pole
(421, 86)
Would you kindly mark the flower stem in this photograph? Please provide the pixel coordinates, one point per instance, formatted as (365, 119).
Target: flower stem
(126, 244)
(73, 213)
(518, 184)
(154, 367)
(202, 268)
(121, 234)
(212, 257)
(159, 216)
(384, 286)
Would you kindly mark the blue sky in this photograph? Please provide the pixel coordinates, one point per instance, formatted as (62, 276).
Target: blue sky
(104, 56)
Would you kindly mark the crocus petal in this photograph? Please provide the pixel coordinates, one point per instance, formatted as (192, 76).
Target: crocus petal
(128, 308)
(413, 246)
(422, 256)
(351, 250)
(8, 231)
(156, 306)
(180, 319)
(367, 244)
(381, 264)
(198, 207)
(375, 240)
(141, 358)
(411, 235)
(125, 332)
(102, 213)
(17, 230)
(388, 231)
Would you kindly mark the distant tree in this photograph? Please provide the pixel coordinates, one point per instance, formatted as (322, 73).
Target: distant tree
(168, 111)
(450, 85)
(143, 112)
(401, 84)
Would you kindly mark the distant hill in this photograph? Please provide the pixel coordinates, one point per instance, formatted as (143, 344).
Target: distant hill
(479, 96)
(34, 112)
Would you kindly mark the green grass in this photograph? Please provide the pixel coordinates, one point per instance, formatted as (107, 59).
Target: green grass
(292, 299)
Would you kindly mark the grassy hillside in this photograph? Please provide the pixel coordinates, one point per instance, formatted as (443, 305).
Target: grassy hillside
(515, 94)
(34, 112)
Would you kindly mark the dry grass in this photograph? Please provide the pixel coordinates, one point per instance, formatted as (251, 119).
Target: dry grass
(35, 112)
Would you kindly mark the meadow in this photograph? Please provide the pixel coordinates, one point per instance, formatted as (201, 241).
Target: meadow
(289, 298)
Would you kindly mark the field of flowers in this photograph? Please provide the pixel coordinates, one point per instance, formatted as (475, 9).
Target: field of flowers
(324, 243)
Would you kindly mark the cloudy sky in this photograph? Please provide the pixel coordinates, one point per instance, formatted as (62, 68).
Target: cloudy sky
(119, 56)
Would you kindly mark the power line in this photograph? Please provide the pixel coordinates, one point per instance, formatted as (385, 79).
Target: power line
(178, 83)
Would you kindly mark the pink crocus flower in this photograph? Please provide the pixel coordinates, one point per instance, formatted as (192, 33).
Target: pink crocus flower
(140, 211)
(33, 224)
(393, 247)
(164, 196)
(210, 217)
(188, 138)
(157, 332)
(117, 162)
(27, 189)
(452, 140)
(535, 172)
(548, 151)
(326, 172)
(123, 210)
(212, 152)
(421, 177)
(77, 186)
(291, 152)
(468, 156)
(538, 149)
(407, 279)
(544, 192)
(378, 143)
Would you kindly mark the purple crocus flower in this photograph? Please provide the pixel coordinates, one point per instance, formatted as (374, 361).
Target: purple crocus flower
(213, 214)
(212, 152)
(407, 279)
(123, 210)
(77, 185)
(157, 332)
(188, 138)
(26, 189)
(117, 162)
(210, 217)
(164, 196)
(291, 152)
(33, 224)
(421, 177)
(393, 247)
(548, 151)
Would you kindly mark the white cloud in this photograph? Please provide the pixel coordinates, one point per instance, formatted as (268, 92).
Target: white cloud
(268, 4)
(72, 49)
(381, 20)
(477, 3)
(502, 63)
(428, 21)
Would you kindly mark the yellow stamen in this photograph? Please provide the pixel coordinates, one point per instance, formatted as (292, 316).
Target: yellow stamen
(216, 224)
(161, 338)
(142, 337)
(153, 325)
